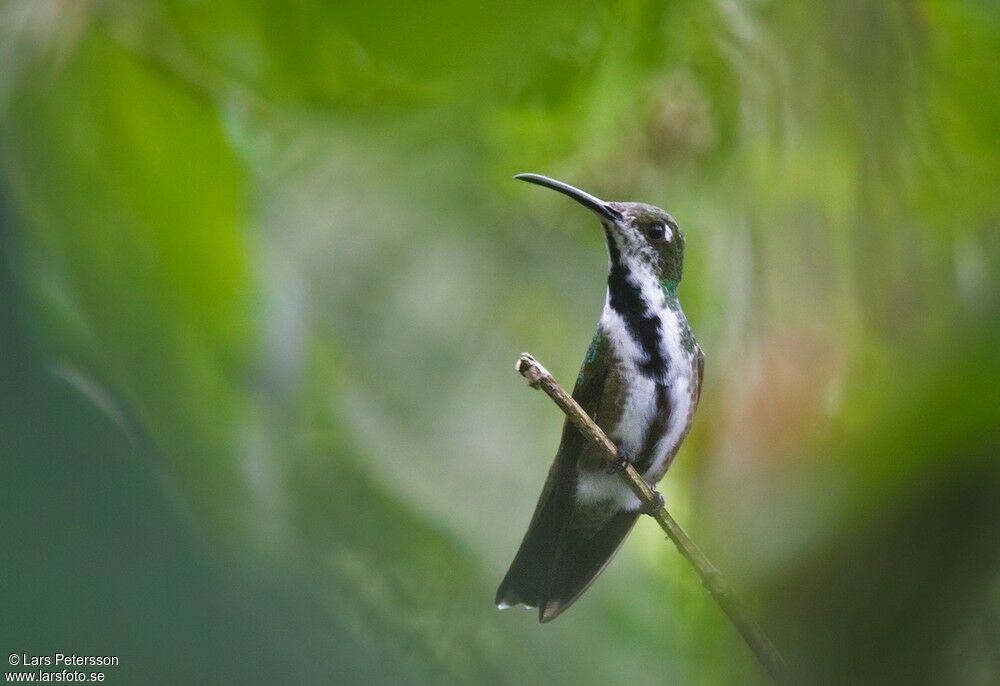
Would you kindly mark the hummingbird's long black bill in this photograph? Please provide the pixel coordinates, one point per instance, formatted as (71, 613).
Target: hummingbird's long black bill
(586, 199)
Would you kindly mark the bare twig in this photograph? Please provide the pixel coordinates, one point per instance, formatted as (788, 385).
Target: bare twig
(539, 377)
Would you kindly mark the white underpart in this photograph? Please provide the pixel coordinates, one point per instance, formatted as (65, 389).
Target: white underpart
(639, 407)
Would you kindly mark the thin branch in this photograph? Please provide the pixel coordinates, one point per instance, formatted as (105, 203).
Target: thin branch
(539, 377)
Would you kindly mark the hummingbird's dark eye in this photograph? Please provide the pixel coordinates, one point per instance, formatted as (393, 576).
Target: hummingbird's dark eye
(657, 231)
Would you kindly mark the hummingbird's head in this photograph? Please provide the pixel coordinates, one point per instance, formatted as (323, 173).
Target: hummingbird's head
(642, 239)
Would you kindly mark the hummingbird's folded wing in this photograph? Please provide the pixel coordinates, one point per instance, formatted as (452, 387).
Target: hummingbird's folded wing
(596, 385)
(527, 581)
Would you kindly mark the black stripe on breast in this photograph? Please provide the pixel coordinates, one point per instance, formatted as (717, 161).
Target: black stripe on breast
(658, 427)
(627, 301)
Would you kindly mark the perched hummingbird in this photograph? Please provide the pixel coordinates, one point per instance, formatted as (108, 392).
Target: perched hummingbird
(640, 381)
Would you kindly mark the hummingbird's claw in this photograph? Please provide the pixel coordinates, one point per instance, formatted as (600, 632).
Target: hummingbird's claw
(654, 507)
(624, 458)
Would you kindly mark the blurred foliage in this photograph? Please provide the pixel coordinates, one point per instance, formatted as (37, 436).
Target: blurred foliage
(264, 274)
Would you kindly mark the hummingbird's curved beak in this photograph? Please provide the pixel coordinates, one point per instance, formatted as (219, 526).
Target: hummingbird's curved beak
(586, 199)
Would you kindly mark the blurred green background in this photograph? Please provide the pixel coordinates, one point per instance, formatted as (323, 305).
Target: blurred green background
(264, 273)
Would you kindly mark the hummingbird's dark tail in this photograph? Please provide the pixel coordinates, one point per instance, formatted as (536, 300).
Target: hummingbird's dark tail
(557, 562)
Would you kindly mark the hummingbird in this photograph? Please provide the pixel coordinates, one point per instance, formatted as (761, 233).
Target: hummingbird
(640, 382)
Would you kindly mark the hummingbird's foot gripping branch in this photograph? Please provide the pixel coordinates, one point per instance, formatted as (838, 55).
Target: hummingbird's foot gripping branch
(768, 656)
(623, 459)
(652, 509)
